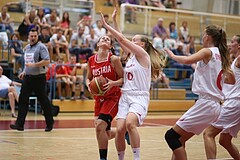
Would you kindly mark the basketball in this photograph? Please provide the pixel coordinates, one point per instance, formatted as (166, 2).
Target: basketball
(96, 85)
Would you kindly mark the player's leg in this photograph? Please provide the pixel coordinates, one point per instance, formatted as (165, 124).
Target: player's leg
(209, 141)
(119, 139)
(225, 140)
(176, 138)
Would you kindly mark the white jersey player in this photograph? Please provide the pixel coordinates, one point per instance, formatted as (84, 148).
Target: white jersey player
(228, 122)
(212, 63)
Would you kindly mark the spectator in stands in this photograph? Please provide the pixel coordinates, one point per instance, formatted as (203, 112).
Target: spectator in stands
(184, 31)
(5, 20)
(172, 36)
(91, 40)
(79, 47)
(179, 52)
(59, 71)
(16, 50)
(35, 25)
(7, 90)
(44, 37)
(41, 18)
(190, 48)
(3, 36)
(159, 34)
(72, 67)
(100, 31)
(65, 25)
(85, 22)
(59, 43)
(53, 21)
(26, 23)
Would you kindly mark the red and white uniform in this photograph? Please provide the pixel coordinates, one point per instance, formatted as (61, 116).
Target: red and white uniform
(135, 91)
(229, 119)
(207, 83)
(108, 103)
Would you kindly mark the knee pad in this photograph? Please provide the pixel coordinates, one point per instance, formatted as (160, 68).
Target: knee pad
(172, 138)
(107, 118)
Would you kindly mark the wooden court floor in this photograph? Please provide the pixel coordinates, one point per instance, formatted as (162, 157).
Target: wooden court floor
(73, 138)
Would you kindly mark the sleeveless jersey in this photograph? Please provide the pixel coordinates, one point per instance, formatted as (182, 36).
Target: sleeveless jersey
(208, 77)
(105, 69)
(136, 77)
(233, 91)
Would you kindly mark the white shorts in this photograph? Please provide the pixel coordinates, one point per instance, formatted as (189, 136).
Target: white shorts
(135, 103)
(229, 119)
(201, 115)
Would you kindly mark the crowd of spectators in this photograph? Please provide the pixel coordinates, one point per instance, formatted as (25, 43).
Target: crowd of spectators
(63, 42)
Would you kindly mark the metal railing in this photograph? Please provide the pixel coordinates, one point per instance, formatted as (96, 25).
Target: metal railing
(147, 18)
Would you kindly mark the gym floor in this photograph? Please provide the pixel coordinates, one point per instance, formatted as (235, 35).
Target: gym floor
(74, 138)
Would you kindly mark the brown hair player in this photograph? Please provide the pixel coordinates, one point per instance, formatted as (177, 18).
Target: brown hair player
(105, 64)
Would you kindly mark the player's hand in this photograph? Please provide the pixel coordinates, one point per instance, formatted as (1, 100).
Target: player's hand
(169, 52)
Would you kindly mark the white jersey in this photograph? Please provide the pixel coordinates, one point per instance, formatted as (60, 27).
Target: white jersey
(208, 77)
(136, 77)
(233, 91)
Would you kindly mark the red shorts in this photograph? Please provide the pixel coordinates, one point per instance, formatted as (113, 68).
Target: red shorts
(107, 105)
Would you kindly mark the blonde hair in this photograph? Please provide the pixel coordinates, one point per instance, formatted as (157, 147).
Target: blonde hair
(158, 58)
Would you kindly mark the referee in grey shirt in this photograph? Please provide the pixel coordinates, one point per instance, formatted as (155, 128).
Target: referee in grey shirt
(34, 80)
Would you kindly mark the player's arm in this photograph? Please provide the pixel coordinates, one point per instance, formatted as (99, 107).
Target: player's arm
(204, 54)
(89, 75)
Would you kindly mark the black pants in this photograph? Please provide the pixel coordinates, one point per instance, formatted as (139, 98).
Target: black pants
(36, 84)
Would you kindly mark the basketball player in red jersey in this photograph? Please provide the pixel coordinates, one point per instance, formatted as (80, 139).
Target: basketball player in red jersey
(105, 64)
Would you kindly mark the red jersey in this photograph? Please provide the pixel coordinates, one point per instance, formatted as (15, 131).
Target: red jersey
(59, 70)
(105, 69)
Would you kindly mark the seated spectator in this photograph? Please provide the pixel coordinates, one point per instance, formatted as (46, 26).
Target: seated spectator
(175, 64)
(5, 20)
(35, 25)
(72, 67)
(79, 47)
(58, 71)
(3, 37)
(190, 49)
(184, 31)
(100, 31)
(159, 34)
(41, 18)
(7, 90)
(85, 22)
(23, 28)
(53, 20)
(59, 43)
(44, 37)
(65, 25)
(16, 52)
(91, 40)
(172, 36)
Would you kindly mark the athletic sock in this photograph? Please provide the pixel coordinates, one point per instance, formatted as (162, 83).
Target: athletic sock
(73, 94)
(121, 155)
(136, 153)
(81, 93)
(103, 154)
